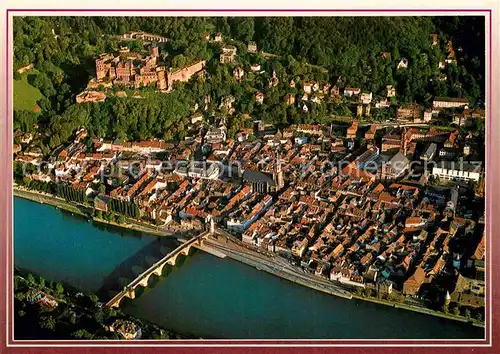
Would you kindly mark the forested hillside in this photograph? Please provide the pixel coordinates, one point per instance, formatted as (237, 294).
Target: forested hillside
(63, 51)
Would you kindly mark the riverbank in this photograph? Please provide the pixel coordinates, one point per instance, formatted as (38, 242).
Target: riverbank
(311, 281)
(277, 268)
(45, 309)
(44, 198)
(260, 260)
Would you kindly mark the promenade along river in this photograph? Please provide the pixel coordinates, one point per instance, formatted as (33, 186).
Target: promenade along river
(206, 296)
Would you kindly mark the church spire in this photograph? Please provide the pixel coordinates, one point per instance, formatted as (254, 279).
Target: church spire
(279, 181)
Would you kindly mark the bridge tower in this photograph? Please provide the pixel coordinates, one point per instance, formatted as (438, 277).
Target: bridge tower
(212, 226)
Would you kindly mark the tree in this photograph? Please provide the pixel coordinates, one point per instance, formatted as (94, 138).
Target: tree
(161, 334)
(30, 278)
(467, 313)
(456, 310)
(179, 61)
(242, 28)
(109, 312)
(47, 322)
(20, 296)
(395, 53)
(93, 298)
(99, 316)
(120, 219)
(368, 292)
(43, 83)
(136, 212)
(82, 334)
(445, 309)
(42, 281)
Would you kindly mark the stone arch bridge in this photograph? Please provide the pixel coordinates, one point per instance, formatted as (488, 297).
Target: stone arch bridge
(157, 268)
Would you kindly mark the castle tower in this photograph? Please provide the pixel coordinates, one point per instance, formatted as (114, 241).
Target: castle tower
(154, 51)
(210, 220)
(100, 69)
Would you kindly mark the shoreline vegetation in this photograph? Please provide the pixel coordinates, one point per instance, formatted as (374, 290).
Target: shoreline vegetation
(60, 311)
(45, 198)
(234, 249)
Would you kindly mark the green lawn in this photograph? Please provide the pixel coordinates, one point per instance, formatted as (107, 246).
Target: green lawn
(25, 95)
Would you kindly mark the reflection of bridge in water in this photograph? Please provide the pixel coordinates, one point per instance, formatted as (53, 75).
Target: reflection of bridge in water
(157, 268)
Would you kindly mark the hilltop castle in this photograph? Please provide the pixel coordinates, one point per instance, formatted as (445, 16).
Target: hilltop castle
(132, 70)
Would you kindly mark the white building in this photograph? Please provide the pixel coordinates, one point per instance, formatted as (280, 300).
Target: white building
(255, 67)
(215, 134)
(259, 98)
(391, 91)
(447, 102)
(307, 87)
(366, 98)
(403, 64)
(351, 91)
(382, 103)
(301, 140)
(195, 118)
(427, 116)
(199, 170)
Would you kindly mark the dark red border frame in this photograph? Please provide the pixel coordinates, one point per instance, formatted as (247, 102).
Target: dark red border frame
(351, 346)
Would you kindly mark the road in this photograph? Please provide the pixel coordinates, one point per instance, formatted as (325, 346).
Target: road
(276, 265)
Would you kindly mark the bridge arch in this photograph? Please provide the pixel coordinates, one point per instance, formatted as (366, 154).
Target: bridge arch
(130, 293)
(172, 259)
(116, 303)
(157, 269)
(185, 250)
(144, 281)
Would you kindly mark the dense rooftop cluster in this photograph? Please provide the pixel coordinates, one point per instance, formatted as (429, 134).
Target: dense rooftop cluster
(381, 204)
(350, 212)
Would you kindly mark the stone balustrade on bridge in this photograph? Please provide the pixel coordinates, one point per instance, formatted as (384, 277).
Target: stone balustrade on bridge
(157, 269)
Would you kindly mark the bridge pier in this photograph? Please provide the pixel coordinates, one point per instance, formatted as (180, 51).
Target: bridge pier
(130, 293)
(144, 281)
(172, 259)
(157, 268)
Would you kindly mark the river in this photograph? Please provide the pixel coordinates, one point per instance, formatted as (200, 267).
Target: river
(206, 296)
